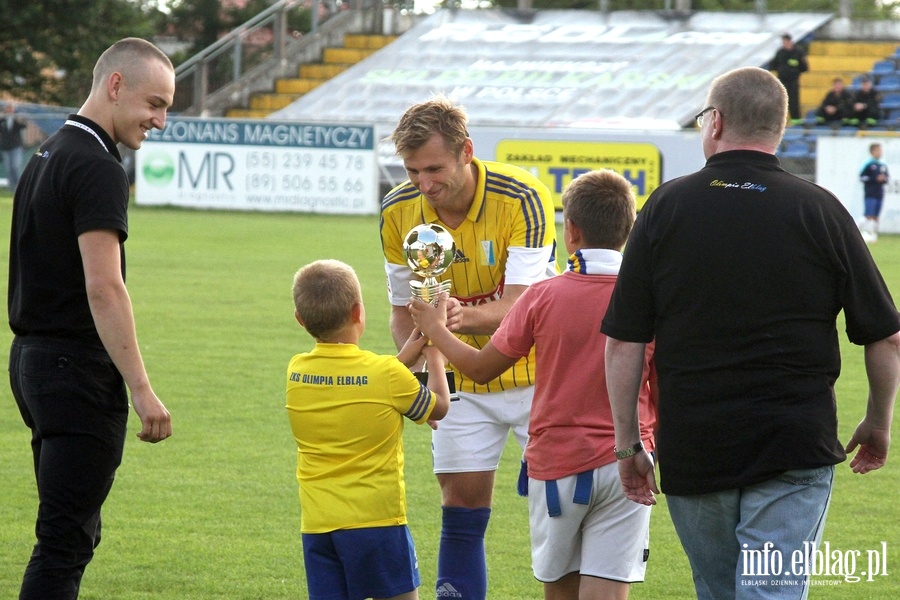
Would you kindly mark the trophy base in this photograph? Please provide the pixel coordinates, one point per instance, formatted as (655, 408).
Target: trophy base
(428, 291)
(422, 376)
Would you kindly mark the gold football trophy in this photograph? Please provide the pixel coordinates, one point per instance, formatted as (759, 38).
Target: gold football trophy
(429, 250)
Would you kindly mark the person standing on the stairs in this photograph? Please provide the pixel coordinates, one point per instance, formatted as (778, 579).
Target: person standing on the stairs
(789, 62)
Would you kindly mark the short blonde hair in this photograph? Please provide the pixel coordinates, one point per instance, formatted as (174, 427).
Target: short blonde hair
(601, 204)
(324, 294)
(421, 121)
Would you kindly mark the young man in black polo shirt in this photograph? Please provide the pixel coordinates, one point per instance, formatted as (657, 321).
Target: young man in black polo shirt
(75, 349)
(738, 273)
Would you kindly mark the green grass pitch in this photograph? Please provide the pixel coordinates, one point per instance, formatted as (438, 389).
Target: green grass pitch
(212, 513)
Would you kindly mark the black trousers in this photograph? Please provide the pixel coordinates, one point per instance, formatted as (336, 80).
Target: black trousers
(792, 86)
(74, 401)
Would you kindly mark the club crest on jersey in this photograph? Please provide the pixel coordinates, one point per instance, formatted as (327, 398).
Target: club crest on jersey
(487, 253)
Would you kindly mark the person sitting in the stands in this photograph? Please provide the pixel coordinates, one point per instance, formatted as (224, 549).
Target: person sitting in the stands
(866, 109)
(837, 105)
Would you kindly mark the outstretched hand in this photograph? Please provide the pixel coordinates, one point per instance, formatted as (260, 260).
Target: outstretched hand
(873, 444)
(638, 478)
(412, 348)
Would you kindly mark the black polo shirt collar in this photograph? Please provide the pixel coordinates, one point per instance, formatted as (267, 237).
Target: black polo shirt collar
(743, 156)
(91, 128)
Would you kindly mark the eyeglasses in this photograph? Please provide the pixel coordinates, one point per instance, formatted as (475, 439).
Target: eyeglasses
(699, 116)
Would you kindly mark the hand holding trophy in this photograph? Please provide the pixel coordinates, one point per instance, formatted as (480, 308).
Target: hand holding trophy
(429, 250)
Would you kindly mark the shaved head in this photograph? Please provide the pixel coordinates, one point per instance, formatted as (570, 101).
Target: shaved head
(127, 57)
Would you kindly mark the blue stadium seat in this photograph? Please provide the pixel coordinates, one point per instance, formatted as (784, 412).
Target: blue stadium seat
(801, 147)
(809, 119)
(888, 83)
(890, 101)
(884, 66)
(791, 136)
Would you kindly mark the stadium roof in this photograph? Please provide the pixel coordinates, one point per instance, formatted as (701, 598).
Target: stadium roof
(581, 69)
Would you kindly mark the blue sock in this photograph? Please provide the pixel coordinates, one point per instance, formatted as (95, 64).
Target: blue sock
(461, 562)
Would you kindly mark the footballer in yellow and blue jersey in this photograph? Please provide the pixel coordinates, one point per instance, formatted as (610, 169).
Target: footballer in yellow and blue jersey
(346, 408)
(507, 238)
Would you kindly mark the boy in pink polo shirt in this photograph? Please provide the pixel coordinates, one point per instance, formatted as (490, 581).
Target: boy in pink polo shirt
(585, 535)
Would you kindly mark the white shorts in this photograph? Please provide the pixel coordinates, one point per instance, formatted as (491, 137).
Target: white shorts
(608, 538)
(473, 434)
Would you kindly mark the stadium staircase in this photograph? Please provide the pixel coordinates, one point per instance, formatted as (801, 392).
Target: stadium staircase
(334, 60)
(262, 65)
(844, 59)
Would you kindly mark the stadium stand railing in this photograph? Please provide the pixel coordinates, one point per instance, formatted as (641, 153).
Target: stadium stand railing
(254, 55)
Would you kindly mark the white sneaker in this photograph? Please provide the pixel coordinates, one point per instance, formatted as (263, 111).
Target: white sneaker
(869, 237)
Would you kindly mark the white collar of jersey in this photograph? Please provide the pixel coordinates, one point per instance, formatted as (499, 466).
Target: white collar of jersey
(595, 261)
(88, 129)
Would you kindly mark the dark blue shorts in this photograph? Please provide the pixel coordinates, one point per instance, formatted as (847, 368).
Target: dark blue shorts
(354, 564)
(872, 206)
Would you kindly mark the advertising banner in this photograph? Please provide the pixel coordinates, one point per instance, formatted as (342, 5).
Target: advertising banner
(647, 159)
(556, 69)
(556, 163)
(259, 165)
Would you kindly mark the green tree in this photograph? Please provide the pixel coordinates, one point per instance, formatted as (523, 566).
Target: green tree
(48, 47)
(202, 22)
(197, 21)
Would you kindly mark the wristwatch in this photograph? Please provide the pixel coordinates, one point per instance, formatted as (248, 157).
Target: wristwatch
(630, 451)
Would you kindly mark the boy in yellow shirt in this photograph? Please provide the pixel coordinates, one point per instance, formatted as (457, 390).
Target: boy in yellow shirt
(346, 409)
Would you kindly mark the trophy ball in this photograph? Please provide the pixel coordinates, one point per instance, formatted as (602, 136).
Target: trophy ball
(429, 249)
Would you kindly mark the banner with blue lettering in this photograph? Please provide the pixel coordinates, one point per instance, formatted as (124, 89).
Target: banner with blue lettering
(259, 165)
